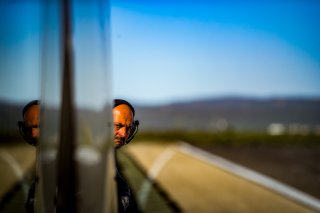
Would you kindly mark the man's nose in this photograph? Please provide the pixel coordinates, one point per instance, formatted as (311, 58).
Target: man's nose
(123, 132)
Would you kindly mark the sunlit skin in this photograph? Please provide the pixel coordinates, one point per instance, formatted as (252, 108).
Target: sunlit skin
(31, 119)
(123, 119)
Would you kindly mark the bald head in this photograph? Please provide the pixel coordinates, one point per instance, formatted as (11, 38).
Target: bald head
(123, 121)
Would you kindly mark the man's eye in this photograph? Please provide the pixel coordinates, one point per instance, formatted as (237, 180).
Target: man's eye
(117, 127)
(32, 127)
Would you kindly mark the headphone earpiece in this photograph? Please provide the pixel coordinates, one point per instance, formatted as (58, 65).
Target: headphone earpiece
(133, 131)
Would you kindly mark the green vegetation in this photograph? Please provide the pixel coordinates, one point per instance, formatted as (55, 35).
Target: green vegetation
(205, 139)
(231, 138)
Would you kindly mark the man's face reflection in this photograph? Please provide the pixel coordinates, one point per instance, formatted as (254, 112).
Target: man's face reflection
(31, 121)
(122, 116)
(123, 119)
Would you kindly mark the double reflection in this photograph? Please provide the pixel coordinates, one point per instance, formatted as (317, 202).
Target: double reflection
(75, 142)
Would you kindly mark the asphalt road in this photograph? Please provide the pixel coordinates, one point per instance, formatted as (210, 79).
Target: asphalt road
(15, 161)
(197, 185)
(16, 165)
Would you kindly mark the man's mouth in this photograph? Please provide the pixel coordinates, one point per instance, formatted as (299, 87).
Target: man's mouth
(118, 142)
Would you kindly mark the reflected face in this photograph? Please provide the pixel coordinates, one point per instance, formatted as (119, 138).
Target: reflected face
(31, 120)
(123, 120)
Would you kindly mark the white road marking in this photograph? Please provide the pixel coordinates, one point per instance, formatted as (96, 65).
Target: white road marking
(251, 175)
(153, 172)
(7, 157)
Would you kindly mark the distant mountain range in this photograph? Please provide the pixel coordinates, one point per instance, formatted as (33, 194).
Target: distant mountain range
(215, 114)
(236, 113)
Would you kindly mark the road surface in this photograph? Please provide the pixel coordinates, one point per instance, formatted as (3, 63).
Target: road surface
(197, 185)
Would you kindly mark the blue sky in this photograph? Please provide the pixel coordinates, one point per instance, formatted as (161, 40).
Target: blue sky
(164, 51)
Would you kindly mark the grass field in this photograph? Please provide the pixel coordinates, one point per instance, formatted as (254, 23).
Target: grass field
(231, 138)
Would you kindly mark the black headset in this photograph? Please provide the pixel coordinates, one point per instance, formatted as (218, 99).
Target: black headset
(135, 124)
(24, 132)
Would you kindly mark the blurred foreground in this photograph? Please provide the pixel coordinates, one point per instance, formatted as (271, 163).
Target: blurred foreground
(164, 178)
(17, 165)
